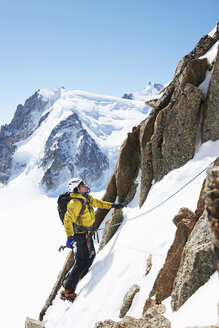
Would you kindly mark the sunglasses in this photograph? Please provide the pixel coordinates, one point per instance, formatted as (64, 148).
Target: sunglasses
(81, 184)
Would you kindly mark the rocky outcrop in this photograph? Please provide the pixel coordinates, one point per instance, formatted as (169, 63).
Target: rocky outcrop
(31, 323)
(148, 265)
(152, 318)
(24, 123)
(210, 130)
(146, 132)
(185, 221)
(128, 95)
(177, 114)
(198, 260)
(122, 183)
(201, 201)
(167, 138)
(212, 207)
(197, 264)
(190, 261)
(128, 299)
(127, 164)
(194, 72)
(174, 138)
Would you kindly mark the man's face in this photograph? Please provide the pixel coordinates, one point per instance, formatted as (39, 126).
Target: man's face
(82, 188)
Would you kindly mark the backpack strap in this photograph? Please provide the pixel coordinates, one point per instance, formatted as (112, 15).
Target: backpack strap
(82, 208)
(79, 228)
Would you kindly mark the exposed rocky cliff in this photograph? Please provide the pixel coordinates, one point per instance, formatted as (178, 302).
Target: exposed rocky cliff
(23, 124)
(185, 116)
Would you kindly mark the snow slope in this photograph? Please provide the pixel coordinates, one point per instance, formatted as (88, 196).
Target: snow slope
(31, 234)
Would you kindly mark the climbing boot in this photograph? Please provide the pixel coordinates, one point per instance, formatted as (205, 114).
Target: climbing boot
(66, 295)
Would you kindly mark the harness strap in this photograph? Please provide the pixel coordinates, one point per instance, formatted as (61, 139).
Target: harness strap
(82, 209)
(79, 228)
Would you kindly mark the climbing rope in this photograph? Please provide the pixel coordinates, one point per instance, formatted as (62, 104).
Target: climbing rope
(160, 204)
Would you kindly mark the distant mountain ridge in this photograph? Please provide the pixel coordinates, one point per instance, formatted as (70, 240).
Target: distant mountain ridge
(67, 133)
(151, 91)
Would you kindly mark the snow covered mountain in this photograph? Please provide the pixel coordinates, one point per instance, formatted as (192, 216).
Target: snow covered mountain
(151, 91)
(67, 133)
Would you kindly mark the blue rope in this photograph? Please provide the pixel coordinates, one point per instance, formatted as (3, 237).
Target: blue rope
(160, 204)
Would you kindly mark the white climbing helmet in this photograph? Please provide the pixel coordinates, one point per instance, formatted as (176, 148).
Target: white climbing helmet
(73, 183)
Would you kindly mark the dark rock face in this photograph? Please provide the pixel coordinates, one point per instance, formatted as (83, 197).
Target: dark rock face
(174, 139)
(197, 264)
(146, 132)
(169, 135)
(23, 124)
(128, 299)
(191, 260)
(212, 207)
(127, 165)
(71, 151)
(128, 96)
(194, 72)
(167, 139)
(122, 182)
(27, 117)
(210, 129)
(185, 221)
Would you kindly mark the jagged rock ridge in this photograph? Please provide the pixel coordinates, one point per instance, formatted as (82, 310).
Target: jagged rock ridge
(23, 124)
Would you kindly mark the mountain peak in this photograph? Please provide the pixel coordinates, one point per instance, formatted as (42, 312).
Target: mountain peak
(151, 91)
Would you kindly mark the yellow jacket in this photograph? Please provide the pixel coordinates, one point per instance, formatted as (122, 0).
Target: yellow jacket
(87, 219)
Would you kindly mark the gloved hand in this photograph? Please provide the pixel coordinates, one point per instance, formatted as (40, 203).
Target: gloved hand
(117, 205)
(69, 242)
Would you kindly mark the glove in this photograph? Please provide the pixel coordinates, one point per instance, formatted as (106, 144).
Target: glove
(117, 205)
(69, 242)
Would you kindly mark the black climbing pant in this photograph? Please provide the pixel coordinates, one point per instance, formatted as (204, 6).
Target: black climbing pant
(84, 257)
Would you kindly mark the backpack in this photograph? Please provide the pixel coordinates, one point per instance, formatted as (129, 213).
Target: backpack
(63, 201)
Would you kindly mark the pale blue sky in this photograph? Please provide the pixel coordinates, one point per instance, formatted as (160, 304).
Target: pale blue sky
(101, 46)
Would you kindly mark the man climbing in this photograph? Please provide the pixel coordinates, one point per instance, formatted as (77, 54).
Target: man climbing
(78, 222)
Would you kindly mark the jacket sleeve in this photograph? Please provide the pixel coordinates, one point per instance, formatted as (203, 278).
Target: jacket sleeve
(100, 203)
(73, 211)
